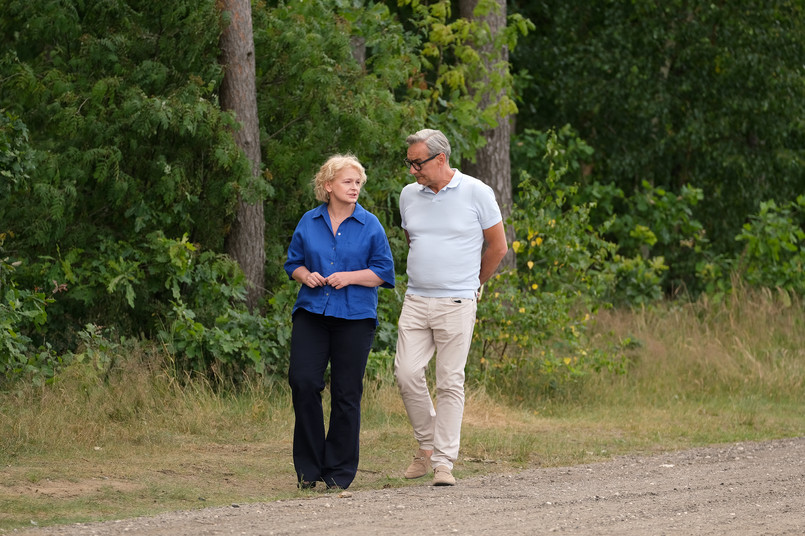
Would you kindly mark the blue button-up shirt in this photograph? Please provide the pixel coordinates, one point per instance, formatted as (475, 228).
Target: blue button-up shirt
(360, 243)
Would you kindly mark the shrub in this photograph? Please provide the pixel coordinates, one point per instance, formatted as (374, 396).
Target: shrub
(774, 246)
(22, 313)
(531, 335)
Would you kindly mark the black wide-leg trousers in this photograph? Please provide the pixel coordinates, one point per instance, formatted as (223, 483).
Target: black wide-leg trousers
(317, 340)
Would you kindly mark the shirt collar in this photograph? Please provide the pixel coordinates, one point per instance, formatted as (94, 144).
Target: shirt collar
(359, 213)
(454, 182)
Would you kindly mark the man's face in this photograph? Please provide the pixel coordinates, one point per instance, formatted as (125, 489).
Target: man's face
(428, 167)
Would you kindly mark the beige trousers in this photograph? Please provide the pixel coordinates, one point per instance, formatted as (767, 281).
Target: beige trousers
(443, 326)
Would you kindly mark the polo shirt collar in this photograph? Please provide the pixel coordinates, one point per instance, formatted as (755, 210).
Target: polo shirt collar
(454, 182)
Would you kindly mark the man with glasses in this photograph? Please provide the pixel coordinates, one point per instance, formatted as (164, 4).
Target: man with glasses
(456, 241)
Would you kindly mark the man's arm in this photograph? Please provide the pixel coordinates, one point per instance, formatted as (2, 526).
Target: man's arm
(496, 249)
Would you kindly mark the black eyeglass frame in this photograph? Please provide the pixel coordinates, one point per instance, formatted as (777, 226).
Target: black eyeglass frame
(418, 165)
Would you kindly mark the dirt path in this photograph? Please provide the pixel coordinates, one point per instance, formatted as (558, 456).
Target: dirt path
(740, 489)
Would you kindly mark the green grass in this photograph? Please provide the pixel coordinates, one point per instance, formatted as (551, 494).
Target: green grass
(139, 442)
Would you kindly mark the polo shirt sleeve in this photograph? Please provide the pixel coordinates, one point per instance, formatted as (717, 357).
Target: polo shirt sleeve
(488, 209)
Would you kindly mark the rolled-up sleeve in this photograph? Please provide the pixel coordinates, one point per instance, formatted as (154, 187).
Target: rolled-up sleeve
(296, 250)
(380, 261)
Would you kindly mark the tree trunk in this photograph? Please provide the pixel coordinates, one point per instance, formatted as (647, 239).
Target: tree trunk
(492, 164)
(246, 240)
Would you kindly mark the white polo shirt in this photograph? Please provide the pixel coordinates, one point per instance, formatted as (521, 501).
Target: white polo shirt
(446, 233)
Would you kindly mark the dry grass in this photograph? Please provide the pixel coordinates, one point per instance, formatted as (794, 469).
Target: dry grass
(753, 345)
(138, 441)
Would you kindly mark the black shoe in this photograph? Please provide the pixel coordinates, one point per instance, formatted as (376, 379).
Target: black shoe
(305, 484)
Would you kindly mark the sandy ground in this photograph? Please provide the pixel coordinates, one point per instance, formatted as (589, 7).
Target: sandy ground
(739, 489)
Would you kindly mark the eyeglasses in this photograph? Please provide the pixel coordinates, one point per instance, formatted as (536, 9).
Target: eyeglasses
(418, 165)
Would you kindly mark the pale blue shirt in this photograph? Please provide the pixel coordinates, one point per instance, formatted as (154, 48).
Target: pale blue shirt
(446, 230)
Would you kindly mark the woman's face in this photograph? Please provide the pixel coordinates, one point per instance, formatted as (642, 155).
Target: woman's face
(345, 186)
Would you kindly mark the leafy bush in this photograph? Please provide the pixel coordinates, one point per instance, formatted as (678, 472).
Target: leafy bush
(15, 152)
(235, 345)
(774, 250)
(22, 314)
(192, 300)
(531, 333)
(658, 238)
(708, 95)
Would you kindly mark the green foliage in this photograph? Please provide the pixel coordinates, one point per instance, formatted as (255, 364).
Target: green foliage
(533, 321)
(632, 272)
(656, 232)
(235, 344)
(22, 313)
(22, 310)
(128, 136)
(128, 146)
(15, 153)
(97, 349)
(464, 95)
(698, 95)
(654, 223)
(774, 250)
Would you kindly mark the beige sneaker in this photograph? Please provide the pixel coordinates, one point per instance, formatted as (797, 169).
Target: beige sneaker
(442, 476)
(420, 466)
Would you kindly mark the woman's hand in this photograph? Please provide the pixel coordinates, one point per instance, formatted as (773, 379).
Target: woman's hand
(314, 279)
(339, 279)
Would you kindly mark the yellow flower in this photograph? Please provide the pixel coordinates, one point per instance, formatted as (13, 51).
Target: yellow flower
(522, 309)
(534, 286)
(517, 246)
(530, 264)
(567, 361)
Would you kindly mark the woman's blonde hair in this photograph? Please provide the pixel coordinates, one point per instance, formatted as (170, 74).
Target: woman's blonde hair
(328, 171)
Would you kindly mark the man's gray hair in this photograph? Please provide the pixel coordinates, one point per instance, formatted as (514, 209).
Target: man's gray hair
(435, 141)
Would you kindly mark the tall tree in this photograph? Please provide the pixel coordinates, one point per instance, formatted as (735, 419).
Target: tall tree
(246, 239)
(492, 163)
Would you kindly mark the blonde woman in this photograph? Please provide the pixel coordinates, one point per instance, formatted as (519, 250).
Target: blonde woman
(340, 254)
